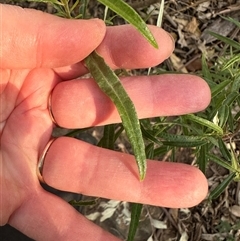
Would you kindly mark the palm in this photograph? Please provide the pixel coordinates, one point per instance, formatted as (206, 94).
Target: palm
(26, 128)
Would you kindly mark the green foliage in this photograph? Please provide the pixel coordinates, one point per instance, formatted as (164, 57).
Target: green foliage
(224, 110)
(212, 131)
(112, 87)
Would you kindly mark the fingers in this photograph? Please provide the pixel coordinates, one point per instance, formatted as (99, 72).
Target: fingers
(124, 47)
(76, 166)
(80, 103)
(44, 216)
(36, 39)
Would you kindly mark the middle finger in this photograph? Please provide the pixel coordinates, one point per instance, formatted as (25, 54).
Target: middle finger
(81, 103)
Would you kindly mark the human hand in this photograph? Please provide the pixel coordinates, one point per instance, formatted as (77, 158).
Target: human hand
(40, 51)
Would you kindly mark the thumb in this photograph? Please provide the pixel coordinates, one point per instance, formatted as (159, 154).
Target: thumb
(31, 38)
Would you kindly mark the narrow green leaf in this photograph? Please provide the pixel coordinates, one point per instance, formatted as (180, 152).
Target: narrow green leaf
(80, 203)
(235, 163)
(233, 21)
(231, 98)
(130, 15)
(160, 14)
(160, 151)
(230, 62)
(205, 122)
(212, 141)
(237, 117)
(220, 87)
(236, 84)
(182, 141)
(159, 22)
(215, 193)
(231, 123)
(74, 6)
(105, 14)
(221, 162)
(83, 9)
(202, 158)
(223, 114)
(205, 69)
(112, 87)
(135, 216)
(47, 1)
(225, 152)
(119, 131)
(226, 40)
(75, 132)
(108, 138)
(136, 209)
(149, 150)
(147, 135)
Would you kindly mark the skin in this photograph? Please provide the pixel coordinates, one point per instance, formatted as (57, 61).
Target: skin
(39, 52)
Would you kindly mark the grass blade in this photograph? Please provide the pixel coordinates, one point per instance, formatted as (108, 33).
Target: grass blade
(112, 87)
(160, 14)
(232, 61)
(131, 16)
(233, 21)
(159, 22)
(226, 40)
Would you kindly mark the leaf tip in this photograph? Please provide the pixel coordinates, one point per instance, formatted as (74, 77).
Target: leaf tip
(142, 175)
(155, 44)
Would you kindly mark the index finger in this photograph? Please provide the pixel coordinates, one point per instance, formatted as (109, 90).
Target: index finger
(35, 39)
(124, 47)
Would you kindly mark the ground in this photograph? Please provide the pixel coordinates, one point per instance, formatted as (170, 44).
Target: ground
(188, 22)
